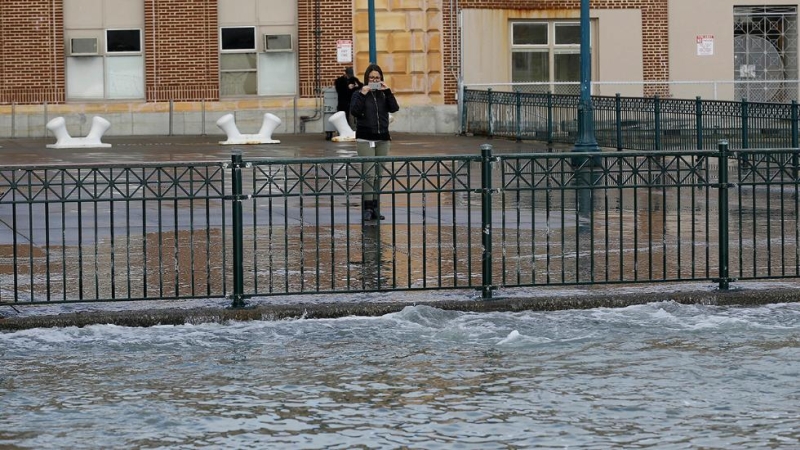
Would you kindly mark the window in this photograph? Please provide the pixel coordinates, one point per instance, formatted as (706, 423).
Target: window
(119, 41)
(115, 74)
(248, 70)
(124, 64)
(239, 39)
(765, 53)
(277, 73)
(238, 62)
(546, 53)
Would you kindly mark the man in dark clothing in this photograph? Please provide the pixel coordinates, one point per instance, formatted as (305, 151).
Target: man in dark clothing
(345, 86)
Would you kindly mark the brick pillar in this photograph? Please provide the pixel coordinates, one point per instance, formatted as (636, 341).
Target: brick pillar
(181, 47)
(320, 24)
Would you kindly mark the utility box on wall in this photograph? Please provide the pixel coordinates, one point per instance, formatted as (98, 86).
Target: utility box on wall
(330, 100)
(278, 43)
(82, 47)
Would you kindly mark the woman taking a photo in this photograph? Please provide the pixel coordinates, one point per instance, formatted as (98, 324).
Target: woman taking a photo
(371, 106)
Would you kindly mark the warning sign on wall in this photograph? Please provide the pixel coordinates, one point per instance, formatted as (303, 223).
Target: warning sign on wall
(344, 51)
(705, 45)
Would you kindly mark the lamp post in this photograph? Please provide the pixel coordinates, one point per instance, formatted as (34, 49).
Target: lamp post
(373, 57)
(586, 139)
(585, 175)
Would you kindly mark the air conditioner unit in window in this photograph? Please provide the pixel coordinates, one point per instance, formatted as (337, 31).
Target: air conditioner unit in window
(83, 46)
(277, 42)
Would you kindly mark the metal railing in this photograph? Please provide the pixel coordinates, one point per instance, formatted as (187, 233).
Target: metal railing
(773, 91)
(245, 228)
(166, 117)
(633, 123)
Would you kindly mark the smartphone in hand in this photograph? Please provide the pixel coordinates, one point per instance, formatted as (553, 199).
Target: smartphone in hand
(375, 85)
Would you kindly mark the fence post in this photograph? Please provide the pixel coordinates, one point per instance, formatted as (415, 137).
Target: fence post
(618, 113)
(463, 102)
(486, 220)
(519, 115)
(171, 111)
(238, 257)
(549, 117)
(657, 118)
(489, 112)
(795, 144)
(745, 120)
(698, 121)
(722, 198)
(45, 119)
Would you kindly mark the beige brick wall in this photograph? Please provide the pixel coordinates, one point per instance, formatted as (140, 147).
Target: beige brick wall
(408, 47)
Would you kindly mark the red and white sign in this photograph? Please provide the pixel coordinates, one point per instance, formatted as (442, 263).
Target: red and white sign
(705, 45)
(344, 51)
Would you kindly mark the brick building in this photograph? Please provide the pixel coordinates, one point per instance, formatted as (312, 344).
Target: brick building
(136, 60)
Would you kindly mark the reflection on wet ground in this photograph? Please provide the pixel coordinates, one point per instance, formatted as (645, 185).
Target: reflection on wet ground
(204, 148)
(164, 248)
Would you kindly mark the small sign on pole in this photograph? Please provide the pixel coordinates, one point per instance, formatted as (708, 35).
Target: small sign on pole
(344, 51)
(705, 45)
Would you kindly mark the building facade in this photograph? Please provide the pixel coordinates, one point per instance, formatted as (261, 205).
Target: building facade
(136, 62)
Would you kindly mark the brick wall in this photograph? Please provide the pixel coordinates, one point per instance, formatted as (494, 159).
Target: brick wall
(182, 57)
(31, 51)
(181, 50)
(321, 23)
(655, 34)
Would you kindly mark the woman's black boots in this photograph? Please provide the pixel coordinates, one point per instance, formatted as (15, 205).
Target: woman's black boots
(369, 211)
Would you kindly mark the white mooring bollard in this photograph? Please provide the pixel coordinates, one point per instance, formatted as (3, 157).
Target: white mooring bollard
(92, 140)
(264, 136)
(339, 120)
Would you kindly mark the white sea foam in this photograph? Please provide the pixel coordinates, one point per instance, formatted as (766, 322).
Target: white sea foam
(513, 336)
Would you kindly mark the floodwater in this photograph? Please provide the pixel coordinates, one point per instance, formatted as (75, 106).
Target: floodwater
(660, 375)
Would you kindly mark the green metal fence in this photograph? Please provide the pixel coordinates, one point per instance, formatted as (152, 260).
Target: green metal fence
(631, 122)
(477, 223)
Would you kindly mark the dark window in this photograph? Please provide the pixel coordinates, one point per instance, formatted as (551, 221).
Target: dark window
(529, 33)
(568, 34)
(239, 38)
(123, 41)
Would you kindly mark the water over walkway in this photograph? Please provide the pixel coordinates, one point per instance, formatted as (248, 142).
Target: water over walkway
(156, 149)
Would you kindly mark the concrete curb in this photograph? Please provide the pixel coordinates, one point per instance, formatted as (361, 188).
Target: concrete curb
(176, 316)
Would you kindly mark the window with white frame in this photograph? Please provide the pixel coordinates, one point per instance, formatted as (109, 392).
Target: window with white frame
(546, 53)
(111, 72)
(246, 71)
(124, 64)
(238, 62)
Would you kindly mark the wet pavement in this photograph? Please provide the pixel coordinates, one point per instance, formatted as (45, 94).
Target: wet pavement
(204, 148)
(131, 150)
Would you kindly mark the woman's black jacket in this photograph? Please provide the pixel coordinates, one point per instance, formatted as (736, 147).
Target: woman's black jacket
(372, 114)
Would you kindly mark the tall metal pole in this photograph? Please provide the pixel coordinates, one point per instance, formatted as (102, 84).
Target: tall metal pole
(587, 142)
(373, 53)
(486, 220)
(238, 226)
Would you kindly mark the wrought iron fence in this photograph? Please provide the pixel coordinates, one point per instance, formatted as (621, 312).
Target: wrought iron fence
(632, 123)
(754, 90)
(269, 227)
